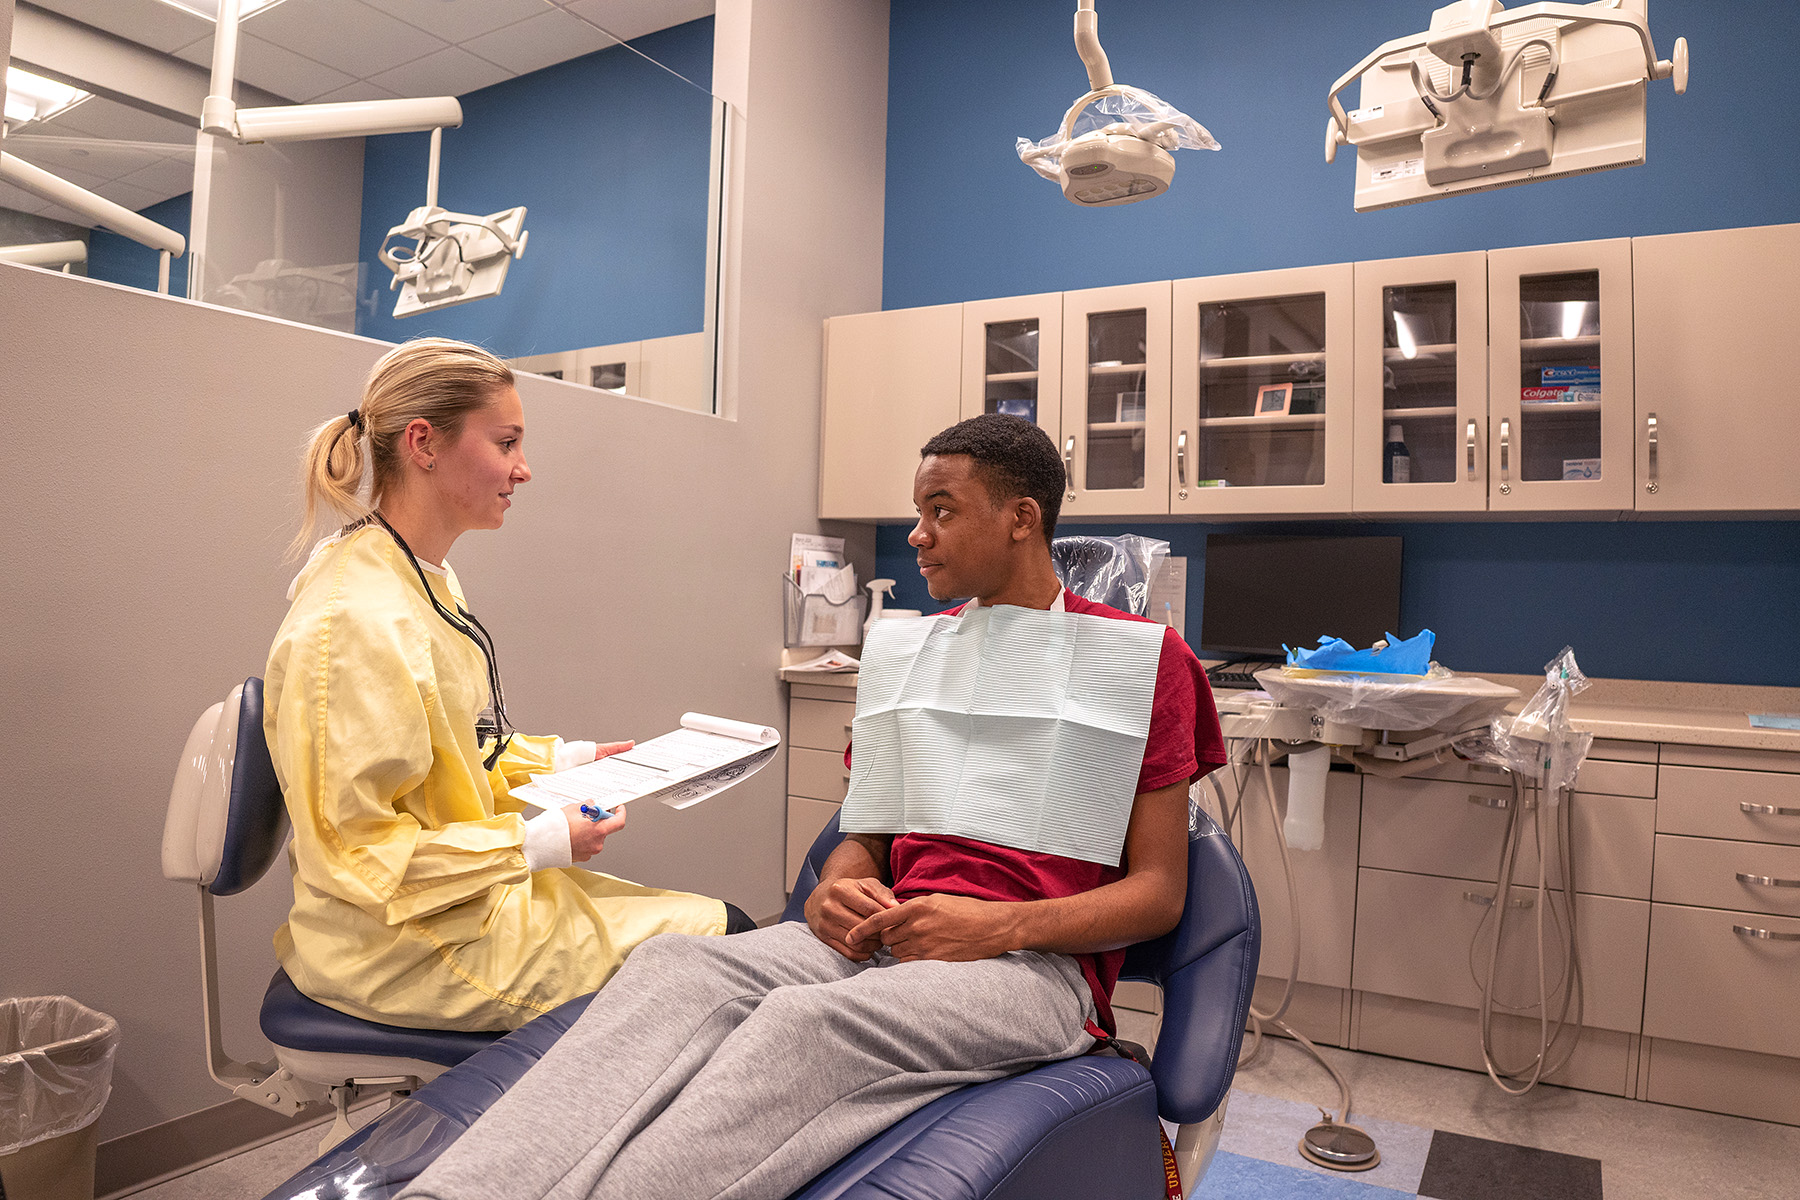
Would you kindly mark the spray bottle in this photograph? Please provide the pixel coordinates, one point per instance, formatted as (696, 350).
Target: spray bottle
(877, 589)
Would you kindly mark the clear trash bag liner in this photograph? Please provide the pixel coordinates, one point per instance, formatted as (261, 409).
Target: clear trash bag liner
(1409, 656)
(56, 1061)
(399, 1146)
(1441, 700)
(1537, 745)
(1119, 105)
(1110, 570)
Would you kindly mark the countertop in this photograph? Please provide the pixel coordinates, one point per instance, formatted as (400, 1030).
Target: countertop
(1634, 710)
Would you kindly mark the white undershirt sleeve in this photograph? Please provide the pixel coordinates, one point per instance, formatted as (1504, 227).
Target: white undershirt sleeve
(547, 841)
(573, 754)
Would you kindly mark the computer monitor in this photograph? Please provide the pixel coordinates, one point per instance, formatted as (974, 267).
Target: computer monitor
(1261, 592)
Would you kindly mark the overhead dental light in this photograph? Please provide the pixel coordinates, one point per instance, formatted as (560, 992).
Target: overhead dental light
(1120, 152)
(1488, 98)
(455, 257)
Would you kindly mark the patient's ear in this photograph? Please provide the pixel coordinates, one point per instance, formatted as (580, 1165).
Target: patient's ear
(1028, 518)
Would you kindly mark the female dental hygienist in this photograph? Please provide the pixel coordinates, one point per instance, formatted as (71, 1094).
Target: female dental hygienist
(422, 896)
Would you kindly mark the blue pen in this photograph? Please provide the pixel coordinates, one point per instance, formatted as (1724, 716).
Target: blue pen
(594, 812)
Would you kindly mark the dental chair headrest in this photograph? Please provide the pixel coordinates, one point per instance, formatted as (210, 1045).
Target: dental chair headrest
(1098, 569)
(226, 820)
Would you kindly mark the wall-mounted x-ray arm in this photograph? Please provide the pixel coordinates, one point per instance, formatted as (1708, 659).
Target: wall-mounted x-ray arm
(98, 209)
(1530, 93)
(455, 257)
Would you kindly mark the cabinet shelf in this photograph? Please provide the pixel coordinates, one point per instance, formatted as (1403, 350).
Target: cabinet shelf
(1271, 421)
(1555, 406)
(1261, 360)
(1115, 428)
(1010, 376)
(1404, 414)
(1395, 354)
(1589, 342)
(1111, 368)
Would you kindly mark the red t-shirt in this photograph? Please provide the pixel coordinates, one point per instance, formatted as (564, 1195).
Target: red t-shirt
(1184, 744)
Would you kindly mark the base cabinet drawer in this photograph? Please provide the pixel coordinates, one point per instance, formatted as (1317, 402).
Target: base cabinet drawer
(805, 817)
(1747, 806)
(1416, 936)
(820, 724)
(1710, 984)
(1714, 873)
(820, 774)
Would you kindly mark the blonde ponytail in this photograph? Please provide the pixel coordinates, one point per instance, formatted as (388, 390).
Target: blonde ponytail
(433, 379)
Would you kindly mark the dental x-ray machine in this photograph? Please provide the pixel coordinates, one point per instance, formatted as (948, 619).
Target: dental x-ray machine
(1488, 98)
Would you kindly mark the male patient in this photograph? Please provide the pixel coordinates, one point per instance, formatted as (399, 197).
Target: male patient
(742, 1067)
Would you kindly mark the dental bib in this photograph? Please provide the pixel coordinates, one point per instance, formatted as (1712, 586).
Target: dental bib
(1009, 725)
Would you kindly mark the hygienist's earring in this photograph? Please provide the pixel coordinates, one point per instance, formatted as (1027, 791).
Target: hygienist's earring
(431, 466)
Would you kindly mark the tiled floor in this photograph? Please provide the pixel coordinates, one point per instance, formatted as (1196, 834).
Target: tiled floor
(1443, 1134)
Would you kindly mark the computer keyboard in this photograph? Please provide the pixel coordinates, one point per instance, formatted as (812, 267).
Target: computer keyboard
(1236, 674)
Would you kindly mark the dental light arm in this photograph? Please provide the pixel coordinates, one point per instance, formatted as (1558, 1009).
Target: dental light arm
(1121, 161)
(99, 210)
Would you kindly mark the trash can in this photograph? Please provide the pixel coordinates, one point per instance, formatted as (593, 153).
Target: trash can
(56, 1060)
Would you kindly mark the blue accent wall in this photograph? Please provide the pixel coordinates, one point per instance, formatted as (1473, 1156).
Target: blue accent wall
(609, 155)
(120, 260)
(1704, 601)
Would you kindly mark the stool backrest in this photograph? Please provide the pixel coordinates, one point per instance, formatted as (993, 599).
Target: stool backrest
(226, 820)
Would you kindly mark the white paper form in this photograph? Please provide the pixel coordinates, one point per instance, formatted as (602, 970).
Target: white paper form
(702, 758)
(1014, 726)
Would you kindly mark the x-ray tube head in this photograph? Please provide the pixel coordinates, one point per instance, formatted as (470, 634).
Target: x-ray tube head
(454, 258)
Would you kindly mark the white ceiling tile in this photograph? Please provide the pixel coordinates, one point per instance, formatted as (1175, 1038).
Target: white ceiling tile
(93, 158)
(274, 69)
(345, 34)
(58, 167)
(170, 177)
(552, 37)
(20, 200)
(459, 20)
(362, 89)
(146, 22)
(101, 117)
(628, 19)
(137, 199)
(449, 72)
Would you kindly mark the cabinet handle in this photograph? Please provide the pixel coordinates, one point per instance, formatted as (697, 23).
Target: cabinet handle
(1491, 801)
(1772, 810)
(1471, 451)
(1180, 459)
(1069, 466)
(1650, 436)
(1767, 935)
(1766, 880)
(1505, 456)
(1488, 901)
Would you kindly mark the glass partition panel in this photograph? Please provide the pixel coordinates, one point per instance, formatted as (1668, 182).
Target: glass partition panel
(1263, 392)
(1559, 376)
(1115, 399)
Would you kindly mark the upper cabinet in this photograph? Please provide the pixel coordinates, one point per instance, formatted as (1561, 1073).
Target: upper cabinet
(1422, 384)
(1262, 410)
(1718, 424)
(1012, 359)
(1588, 378)
(1115, 418)
(1560, 396)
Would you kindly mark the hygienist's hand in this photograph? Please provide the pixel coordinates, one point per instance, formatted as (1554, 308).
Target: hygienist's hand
(942, 928)
(833, 910)
(587, 838)
(608, 749)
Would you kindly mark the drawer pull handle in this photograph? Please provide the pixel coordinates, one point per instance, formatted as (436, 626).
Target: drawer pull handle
(1491, 801)
(1766, 880)
(1767, 935)
(1773, 810)
(1488, 901)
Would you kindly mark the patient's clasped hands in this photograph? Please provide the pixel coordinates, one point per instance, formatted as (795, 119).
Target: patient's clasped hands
(856, 917)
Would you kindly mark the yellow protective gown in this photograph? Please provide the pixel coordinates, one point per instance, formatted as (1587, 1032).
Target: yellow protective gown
(412, 902)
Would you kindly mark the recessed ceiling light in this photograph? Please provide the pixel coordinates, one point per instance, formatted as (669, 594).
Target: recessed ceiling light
(33, 98)
(209, 9)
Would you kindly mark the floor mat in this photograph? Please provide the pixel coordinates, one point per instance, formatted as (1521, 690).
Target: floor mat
(1258, 1158)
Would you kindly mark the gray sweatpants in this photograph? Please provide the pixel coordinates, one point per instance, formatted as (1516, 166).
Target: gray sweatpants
(743, 1066)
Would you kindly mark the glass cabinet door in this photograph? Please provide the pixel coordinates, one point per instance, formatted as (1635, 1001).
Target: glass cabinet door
(1262, 391)
(1421, 384)
(1115, 424)
(1012, 359)
(1562, 392)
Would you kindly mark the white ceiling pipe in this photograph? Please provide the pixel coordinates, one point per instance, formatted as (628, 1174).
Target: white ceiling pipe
(356, 118)
(45, 254)
(98, 209)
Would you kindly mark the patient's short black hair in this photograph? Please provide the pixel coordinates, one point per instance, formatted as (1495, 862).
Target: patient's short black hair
(1013, 458)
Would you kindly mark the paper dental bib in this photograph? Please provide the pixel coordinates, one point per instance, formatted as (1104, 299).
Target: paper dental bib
(1010, 725)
